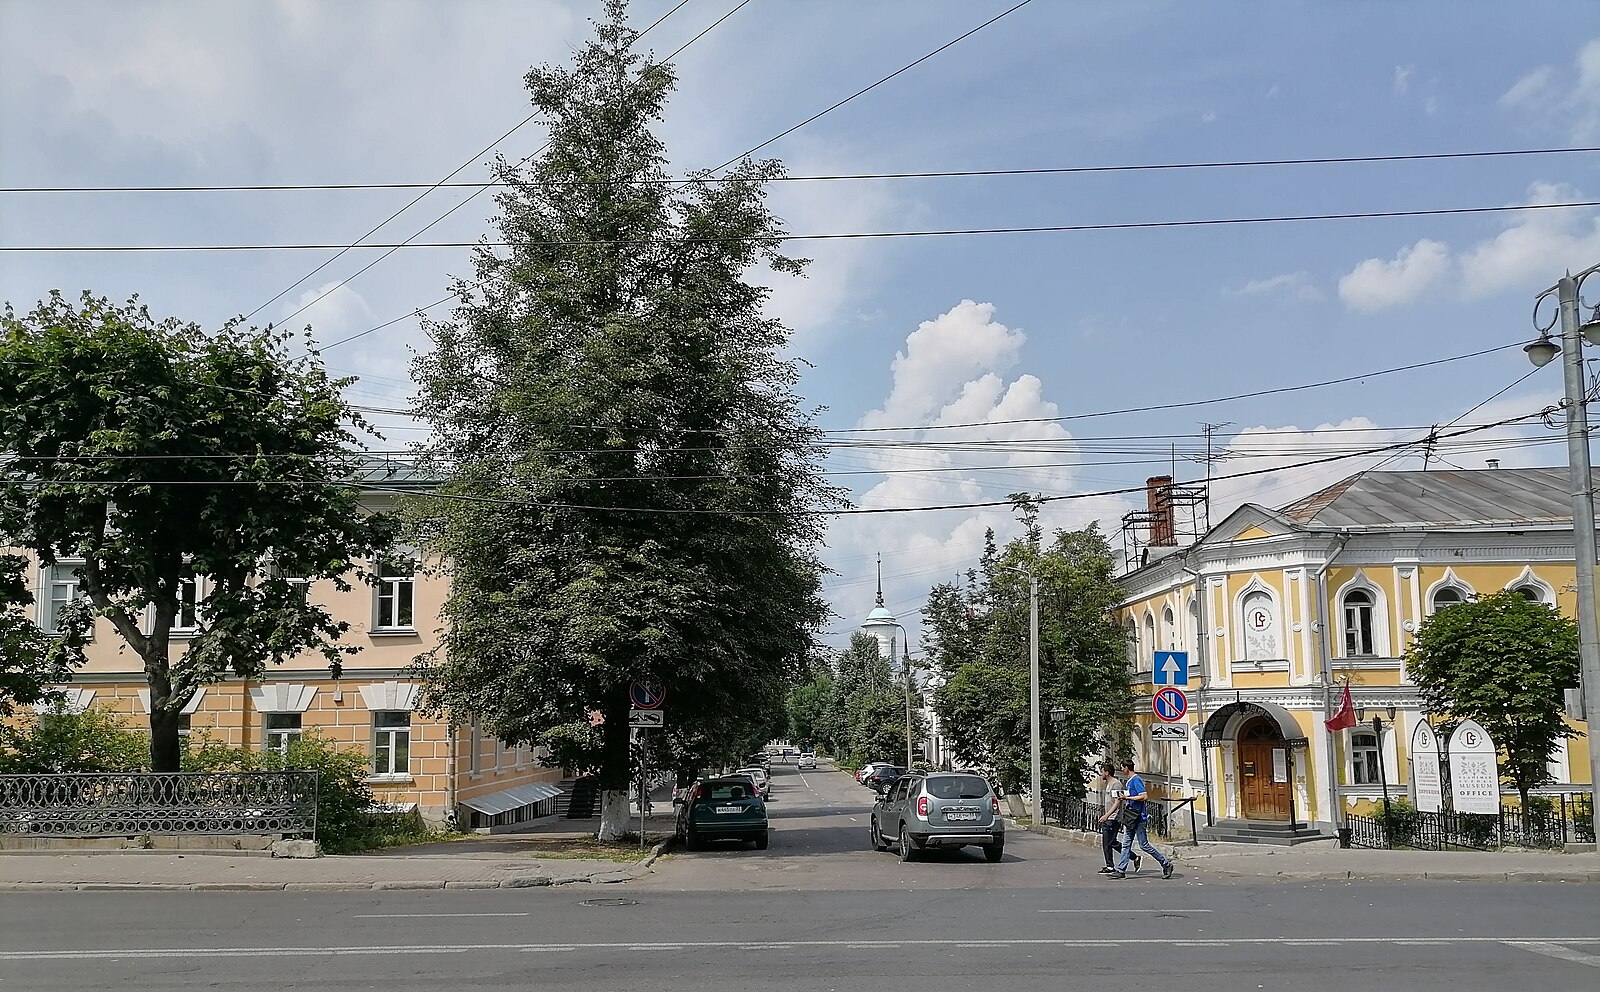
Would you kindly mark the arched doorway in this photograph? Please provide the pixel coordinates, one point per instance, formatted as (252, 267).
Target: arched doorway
(1263, 757)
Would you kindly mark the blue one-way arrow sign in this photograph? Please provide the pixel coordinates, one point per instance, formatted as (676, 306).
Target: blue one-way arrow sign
(1171, 668)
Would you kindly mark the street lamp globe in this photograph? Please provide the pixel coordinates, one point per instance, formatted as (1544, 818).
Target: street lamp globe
(1057, 714)
(1590, 329)
(1542, 352)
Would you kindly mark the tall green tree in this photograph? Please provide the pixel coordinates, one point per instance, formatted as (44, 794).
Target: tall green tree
(1506, 662)
(978, 642)
(147, 455)
(633, 483)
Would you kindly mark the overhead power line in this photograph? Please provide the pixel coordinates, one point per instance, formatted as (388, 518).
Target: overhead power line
(842, 236)
(1066, 170)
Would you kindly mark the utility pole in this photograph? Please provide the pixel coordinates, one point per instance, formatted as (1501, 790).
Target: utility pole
(1580, 480)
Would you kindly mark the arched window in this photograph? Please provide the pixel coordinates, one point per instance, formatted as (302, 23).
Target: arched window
(1171, 623)
(1358, 622)
(1150, 643)
(1132, 630)
(1532, 594)
(1260, 623)
(1447, 596)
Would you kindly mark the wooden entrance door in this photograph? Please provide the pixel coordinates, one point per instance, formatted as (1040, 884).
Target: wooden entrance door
(1263, 771)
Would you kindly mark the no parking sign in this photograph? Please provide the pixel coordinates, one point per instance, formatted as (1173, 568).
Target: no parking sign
(1170, 705)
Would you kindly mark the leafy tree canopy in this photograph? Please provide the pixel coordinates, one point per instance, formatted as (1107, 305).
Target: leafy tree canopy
(1504, 661)
(633, 484)
(146, 453)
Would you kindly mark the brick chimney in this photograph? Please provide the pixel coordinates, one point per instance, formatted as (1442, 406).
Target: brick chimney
(1158, 500)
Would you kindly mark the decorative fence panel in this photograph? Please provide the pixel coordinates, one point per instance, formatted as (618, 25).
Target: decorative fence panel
(131, 804)
(1073, 813)
(1548, 822)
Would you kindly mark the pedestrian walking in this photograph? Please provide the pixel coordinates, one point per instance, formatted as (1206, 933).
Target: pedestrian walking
(1135, 817)
(1109, 790)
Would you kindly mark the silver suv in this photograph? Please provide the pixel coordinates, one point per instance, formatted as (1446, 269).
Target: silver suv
(939, 810)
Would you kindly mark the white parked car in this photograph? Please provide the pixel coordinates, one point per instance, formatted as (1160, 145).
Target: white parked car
(762, 780)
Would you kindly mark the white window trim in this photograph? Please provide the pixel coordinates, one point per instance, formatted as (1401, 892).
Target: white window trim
(1386, 755)
(378, 626)
(1381, 644)
(290, 734)
(46, 591)
(1169, 623)
(1450, 581)
(392, 774)
(201, 589)
(1528, 580)
(1147, 651)
(1131, 629)
(1255, 585)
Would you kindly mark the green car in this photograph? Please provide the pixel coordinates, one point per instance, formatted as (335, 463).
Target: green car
(722, 809)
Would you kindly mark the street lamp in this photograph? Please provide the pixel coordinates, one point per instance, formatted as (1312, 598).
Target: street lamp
(1569, 300)
(1033, 678)
(1058, 716)
(905, 665)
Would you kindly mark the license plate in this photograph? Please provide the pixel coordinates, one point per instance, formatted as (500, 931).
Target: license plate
(730, 809)
(961, 816)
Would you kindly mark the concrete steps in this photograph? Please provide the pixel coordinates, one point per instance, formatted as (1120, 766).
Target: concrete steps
(1262, 832)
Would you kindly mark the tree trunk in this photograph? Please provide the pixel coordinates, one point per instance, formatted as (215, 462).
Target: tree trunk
(166, 748)
(615, 766)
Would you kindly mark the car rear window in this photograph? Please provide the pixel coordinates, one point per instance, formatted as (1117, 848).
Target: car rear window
(957, 787)
(714, 791)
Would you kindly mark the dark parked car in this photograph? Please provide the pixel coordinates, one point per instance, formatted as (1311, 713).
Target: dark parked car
(941, 810)
(723, 809)
(882, 776)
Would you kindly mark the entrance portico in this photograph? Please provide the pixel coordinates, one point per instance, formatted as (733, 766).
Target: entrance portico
(1258, 741)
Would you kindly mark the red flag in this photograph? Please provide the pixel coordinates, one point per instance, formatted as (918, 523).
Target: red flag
(1346, 717)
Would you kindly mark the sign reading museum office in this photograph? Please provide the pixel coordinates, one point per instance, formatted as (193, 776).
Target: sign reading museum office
(1474, 780)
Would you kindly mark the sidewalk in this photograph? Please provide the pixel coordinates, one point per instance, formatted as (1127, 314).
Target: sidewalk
(461, 868)
(1326, 861)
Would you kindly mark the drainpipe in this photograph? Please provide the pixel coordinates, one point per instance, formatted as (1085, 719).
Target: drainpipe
(1202, 647)
(1325, 663)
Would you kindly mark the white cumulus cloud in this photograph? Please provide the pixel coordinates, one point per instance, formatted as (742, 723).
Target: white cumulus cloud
(1377, 284)
(1296, 286)
(1536, 248)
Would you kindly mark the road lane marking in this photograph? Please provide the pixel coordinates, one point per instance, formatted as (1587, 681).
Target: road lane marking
(1066, 943)
(1127, 910)
(1553, 950)
(430, 916)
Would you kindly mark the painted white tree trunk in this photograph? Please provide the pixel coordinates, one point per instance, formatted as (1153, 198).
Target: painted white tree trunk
(614, 815)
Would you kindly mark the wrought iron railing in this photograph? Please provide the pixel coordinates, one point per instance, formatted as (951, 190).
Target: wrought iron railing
(1551, 822)
(1073, 813)
(131, 804)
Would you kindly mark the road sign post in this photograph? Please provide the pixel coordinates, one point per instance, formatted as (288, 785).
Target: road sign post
(1170, 668)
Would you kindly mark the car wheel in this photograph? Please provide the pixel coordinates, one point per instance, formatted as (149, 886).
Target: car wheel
(691, 841)
(994, 852)
(878, 843)
(907, 851)
(761, 841)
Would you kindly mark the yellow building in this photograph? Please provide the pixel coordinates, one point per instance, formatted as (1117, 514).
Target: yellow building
(416, 760)
(1277, 609)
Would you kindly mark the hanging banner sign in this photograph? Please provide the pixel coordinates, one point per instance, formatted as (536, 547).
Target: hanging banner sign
(1474, 779)
(1426, 784)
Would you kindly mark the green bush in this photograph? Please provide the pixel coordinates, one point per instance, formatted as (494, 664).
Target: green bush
(59, 742)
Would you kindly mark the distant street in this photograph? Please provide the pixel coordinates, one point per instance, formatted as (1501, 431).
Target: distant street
(820, 910)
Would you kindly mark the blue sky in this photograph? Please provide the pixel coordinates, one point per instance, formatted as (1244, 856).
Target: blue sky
(911, 332)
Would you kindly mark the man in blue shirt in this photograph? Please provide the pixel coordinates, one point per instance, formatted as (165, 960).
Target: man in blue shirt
(1135, 818)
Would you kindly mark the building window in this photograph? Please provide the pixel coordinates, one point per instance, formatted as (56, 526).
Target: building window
(1364, 758)
(1260, 627)
(1171, 623)
(1132, 630)
(1358, 619)
(187, 619)
(1151, 645)
(283, 729)
(61, 589)
(1532, 594)
(1446, 596)
(396, 597)
(391, 742)
(185, 724)
(300, 589)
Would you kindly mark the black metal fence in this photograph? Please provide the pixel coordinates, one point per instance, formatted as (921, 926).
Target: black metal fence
(1547, 822)
(132, 804)
(1073, 813)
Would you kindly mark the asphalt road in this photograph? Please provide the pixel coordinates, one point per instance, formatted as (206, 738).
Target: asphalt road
(820, 910)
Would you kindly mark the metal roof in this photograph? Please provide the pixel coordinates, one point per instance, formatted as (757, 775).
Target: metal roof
(496, 803)
(1480, 497)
